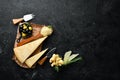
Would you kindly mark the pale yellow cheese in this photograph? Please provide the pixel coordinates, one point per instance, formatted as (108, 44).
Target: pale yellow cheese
(24, 51)
(46, 31)
(31, 61)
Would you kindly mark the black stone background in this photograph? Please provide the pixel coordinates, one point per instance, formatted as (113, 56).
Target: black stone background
(88, 27)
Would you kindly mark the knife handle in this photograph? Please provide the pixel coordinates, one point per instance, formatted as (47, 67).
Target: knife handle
(15, 21)
(42, 60)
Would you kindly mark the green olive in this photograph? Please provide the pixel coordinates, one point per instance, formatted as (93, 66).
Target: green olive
(25, 29)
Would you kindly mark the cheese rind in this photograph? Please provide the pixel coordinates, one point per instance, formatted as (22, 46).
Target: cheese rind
(23, 52)
(31, 61)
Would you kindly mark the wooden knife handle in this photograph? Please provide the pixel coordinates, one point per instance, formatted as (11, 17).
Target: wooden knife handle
(29, 39)
(42, 60)
(15, 21)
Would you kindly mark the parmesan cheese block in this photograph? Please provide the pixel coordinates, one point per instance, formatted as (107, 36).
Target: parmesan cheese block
(31, 61)
(23, 52)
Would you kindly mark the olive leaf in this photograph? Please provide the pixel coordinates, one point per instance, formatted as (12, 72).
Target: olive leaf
(56, 68)
(66, 56)
(73, 56)
(49, 26)
(74, 60)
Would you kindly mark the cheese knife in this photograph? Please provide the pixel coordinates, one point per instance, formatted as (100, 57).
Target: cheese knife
(48, 55)
(26, 17)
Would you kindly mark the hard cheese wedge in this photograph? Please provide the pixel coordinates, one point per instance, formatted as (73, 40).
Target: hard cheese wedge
(31, 61)
(23, 52)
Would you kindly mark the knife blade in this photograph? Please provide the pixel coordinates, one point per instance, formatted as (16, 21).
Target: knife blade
(48, 55)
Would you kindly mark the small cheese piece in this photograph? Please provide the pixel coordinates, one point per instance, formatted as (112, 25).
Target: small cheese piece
(46, 30)
(31, 61)
(24, 51)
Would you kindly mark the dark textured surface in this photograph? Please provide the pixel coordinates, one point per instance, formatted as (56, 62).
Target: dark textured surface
(88, 27)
